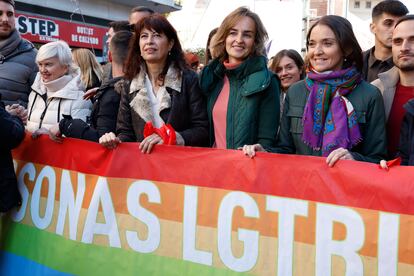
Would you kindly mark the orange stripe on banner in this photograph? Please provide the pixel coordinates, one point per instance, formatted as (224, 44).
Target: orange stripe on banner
(406, 243)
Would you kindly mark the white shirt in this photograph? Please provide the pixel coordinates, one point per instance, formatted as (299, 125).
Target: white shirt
(155, 104)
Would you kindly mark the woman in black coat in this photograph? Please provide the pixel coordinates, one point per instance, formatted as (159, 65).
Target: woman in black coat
(163, 104)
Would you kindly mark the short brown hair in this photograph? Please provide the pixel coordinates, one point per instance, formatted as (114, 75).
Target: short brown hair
(219, 46)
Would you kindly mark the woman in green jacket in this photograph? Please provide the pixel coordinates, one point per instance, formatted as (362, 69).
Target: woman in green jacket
(333, 112)
(242, 94)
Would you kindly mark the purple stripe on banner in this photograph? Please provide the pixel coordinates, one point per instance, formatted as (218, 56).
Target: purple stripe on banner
(14, 265)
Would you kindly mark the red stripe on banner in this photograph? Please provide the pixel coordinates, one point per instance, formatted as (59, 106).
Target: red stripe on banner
(349, 183)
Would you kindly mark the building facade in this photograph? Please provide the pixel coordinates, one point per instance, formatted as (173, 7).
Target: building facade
(81, 23)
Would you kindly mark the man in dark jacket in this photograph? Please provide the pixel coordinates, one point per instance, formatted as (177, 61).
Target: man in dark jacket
(17, 59)
(378, 59)
(11, 134)
(106, 101)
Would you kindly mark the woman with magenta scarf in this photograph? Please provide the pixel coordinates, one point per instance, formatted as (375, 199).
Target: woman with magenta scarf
(332, 112)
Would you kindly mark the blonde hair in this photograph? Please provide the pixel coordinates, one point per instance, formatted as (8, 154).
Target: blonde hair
(59, 49)
(219, 40)
(88, 65)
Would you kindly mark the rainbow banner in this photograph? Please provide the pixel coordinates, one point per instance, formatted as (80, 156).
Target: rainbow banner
(191, 211)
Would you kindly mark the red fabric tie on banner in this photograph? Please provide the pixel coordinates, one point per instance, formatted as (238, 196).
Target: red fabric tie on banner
(394, 162)
(166, 132)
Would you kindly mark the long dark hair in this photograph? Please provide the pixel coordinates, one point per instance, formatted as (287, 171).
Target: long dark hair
(160, 24)
(347, 41)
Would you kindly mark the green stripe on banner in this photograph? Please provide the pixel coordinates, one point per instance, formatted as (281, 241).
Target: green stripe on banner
(73, 257)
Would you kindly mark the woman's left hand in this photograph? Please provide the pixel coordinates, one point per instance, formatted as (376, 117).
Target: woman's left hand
(148, 143)
(338, 154)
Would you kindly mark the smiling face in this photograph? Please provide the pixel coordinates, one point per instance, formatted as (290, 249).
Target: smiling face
(240, 40)
(7, 20)
(50, 69)
(154, 46)
(288, 72)
(324, 52)
(403, 45)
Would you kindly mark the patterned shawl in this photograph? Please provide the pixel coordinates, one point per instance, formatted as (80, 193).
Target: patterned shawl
(329, 120)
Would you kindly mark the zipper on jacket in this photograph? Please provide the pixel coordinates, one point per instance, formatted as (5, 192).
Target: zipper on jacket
(31, 108)
(58, 113)
(43, 115)
(230, 116)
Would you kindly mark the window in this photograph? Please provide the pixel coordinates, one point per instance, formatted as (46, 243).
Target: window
(356, 4)
(368, 4)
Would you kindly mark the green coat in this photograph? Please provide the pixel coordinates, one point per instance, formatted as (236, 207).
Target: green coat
(369, 106)
(253, 108)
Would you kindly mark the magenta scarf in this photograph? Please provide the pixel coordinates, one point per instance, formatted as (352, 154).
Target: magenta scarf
(327, 122)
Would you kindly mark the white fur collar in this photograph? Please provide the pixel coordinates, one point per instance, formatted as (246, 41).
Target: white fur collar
(141, 103)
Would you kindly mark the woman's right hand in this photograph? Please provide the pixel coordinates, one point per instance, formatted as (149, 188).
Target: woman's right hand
(250, 150)
(109, 140)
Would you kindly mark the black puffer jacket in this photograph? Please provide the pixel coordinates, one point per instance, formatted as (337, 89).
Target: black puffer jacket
(407, 135)
(11, 134)
(103, 116)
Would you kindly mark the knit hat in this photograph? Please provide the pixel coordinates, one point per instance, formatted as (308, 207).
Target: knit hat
(11, 2)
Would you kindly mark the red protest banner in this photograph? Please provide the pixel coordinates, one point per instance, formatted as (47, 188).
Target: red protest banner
(225, 210)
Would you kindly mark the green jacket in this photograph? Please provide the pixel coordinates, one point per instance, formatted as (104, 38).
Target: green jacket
(253, 108)
(369, 107)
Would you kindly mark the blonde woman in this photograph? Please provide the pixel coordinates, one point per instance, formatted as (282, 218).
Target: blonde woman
(91, 70)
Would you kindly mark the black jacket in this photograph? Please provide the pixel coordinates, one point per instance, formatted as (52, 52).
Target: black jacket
(103, 116)
(187, 113)
(11, 134)
(407, 135)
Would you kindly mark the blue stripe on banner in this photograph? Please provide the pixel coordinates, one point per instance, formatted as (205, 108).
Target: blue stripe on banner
(14, 265)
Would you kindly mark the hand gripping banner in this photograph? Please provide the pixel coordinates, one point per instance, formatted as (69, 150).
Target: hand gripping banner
(190, 211)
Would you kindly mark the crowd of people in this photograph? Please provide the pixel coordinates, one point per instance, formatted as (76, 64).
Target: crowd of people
(153, 93)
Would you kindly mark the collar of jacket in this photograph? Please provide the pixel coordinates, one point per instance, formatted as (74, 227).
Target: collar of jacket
(386, 83)
(141, 103)
(390, 78)
(252, 74)
(110, 83)
(70, 91)
(172, 80)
